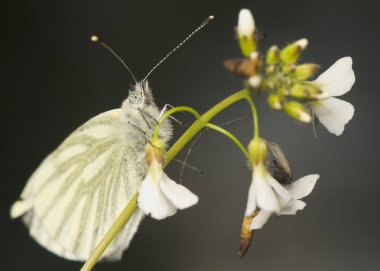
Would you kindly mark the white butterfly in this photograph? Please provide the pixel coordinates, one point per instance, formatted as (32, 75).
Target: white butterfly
(78, 191)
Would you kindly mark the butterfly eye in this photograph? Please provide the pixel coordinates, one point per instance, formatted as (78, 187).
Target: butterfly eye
(135, 98)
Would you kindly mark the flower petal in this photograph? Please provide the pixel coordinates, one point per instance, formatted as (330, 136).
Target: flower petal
(292, 207)
(179, 195)
(302, 187)
(152, 201)
(266, 198)
(259, 220)
(246, 23)
(339, 78)
(281, 191)
(333, 113)
(251, 202)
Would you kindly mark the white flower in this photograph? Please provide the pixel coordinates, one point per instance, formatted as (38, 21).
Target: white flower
(297, 190)
(160, 196)
(334, 113)
(265, 192)
(246, 23)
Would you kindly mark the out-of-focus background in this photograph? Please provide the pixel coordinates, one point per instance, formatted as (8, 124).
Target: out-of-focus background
(53, 79)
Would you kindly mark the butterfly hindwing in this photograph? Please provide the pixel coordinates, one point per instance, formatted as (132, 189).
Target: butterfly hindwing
(78, 191)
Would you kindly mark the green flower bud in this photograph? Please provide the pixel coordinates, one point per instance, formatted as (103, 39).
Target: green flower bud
(305, 71)
(297, 111)
(289, 68)
(257, 149)
(291, 53)
(273, 55)
(308, 92)
(269, 70)
(283, 92)
(246, 32)
(274, 101)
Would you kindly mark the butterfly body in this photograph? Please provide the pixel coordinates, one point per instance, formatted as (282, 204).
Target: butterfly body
(78, 191)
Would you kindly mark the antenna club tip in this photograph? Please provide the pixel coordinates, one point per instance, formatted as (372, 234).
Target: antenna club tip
(95, 38)
(211, 17)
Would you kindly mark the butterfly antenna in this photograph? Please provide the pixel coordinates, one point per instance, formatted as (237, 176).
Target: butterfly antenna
(209, 18)
(97, 40)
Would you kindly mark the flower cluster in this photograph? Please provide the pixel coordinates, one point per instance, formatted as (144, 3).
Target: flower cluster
(288, 83)
(290, 88)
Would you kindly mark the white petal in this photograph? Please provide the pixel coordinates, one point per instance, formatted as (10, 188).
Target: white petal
(152, 201)
(292, 207)
(246, 23)
(251, 203)
(302, 187)
(281, 191)
(333, 113)
(339, 78)
(266, 198)
(259, 220)
(179, 195)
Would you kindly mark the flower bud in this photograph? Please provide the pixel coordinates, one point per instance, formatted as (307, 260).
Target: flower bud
(305, 71)
(257, 149)
(291, 53)
(297, 111)
(288, 68)
(308, 92)
(254, 56)
(273, 55)
(246, 32)
(274, 101)
(254, 81)
(270, 70)
(244, 67)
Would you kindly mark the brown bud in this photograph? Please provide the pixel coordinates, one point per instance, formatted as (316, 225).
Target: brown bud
(244, 67)
(246, 235)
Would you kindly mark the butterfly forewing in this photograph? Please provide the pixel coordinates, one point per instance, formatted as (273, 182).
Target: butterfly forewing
(79, 190)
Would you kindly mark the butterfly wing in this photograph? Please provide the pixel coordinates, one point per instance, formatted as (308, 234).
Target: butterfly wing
(78, 191)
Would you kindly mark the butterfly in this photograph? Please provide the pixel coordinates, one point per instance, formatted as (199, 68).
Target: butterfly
(78, 191)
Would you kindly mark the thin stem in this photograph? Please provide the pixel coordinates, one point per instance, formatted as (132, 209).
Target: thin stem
(116, 227)
(254, 116)
(171, 112)
(230, 136)
(204, 119)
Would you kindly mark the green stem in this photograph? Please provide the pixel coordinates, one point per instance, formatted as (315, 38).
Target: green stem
(171, 112)
(116, 227)
(200, 123)
(254, 116)
(230, 136)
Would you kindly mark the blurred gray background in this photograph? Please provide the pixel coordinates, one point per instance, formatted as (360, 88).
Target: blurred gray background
(53, 79)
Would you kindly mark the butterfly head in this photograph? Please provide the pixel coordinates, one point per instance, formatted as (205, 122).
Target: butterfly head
(140, 96)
